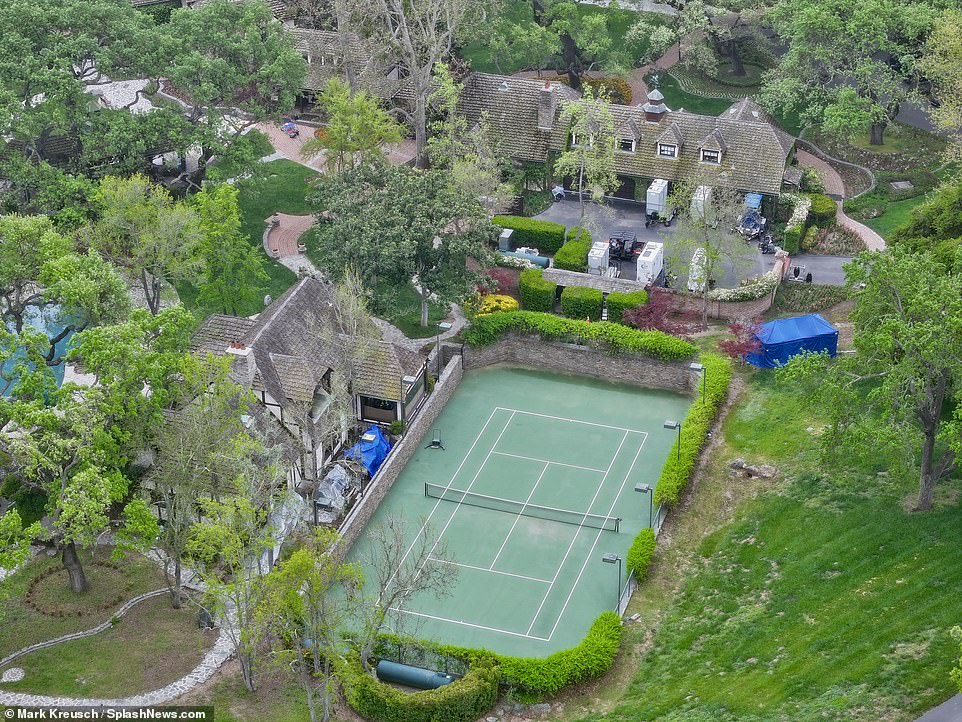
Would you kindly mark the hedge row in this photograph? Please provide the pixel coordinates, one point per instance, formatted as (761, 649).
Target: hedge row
(641, 552)
(822, 211)
(678, 468)
(533, 678)
(537, 293)
(618, 303)
(464, 700)
(614, 337)
(546, 236)
(573, 255)
(581, 302)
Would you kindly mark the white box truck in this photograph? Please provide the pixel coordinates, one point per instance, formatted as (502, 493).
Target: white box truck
(650, 263)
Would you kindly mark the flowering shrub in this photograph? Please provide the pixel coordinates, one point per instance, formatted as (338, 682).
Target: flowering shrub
(514, 262)
(750, 289)
(494, 302)
(796, 223)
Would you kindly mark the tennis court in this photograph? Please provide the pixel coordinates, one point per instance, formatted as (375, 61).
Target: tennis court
(535, 484)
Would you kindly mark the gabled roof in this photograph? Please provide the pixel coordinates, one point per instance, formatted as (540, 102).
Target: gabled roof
(217, 331)
(714, 141)
(671, 135)
(512, 106)
(380, 374)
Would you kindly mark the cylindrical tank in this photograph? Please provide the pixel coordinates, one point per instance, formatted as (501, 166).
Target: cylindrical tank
(409, 676)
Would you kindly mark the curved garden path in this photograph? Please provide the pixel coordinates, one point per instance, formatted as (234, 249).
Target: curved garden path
(280, 241)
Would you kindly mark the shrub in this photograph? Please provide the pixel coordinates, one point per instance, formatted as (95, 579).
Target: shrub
(792, 240)
(537, 293)
(640, 553)
(810, 239)
(812, 181)
(618, 89)
(580, 302)
(573, 255)
(822, 210)
(464, 700)
(546, 236)
(613, 337)
(750, 289)
(795, 226)
(678, 468)
(618, 303)
(494, 302)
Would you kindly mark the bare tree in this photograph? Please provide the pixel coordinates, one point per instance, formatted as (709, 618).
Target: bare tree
(397, 570)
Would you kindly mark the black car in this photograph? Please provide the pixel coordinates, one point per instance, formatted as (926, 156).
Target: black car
(624, 246)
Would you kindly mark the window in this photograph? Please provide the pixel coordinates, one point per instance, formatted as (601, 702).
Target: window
(626, 145)
(710, 156)
(667, 150)
(579, 142)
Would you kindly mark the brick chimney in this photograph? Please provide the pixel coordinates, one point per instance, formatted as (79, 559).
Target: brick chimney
(655, 109)
(547, 105)
(243, 365)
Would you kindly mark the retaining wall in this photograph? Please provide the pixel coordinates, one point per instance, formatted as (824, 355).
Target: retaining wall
(357, 520)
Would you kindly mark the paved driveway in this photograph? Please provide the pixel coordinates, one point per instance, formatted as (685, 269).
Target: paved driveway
(950, 711)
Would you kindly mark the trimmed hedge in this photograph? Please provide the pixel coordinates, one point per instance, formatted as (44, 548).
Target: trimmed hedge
(464, 700)
(640, 553)
(676, 472)
(573, 255)
(537, 293)
(614, 337)
(809, 239)
(580, 302)
(618, 303)
(546, 236)
(793, 239)
(822, 211)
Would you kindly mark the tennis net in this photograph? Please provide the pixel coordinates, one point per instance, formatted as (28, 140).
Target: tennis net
(511, 506)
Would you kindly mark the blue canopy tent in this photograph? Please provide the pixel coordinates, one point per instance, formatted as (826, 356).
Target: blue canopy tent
(754, 201)
(371, 450)
(786, 337)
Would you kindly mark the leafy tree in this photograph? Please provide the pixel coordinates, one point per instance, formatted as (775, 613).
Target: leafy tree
(936, 226)
(227, 55)
(589, 159)
(744, 339)
(233, 278)
(523, 45)
(847, 62)
(942, 65)
(143, 228)
(400, 224)
(659, 315)
(357, 128)
(891, 396)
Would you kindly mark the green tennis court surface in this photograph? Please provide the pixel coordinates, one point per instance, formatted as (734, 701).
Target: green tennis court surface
(557, 457)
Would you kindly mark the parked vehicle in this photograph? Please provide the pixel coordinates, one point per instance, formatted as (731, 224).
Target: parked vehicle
(767, 245)
(752, 225)
(624, 246)
(290, 127)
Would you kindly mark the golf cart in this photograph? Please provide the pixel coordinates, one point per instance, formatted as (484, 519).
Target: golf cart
(624, 246)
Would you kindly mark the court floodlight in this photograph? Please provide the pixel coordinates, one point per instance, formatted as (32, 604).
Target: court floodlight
(676, 425)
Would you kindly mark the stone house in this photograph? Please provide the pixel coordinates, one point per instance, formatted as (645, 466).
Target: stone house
(288, 356)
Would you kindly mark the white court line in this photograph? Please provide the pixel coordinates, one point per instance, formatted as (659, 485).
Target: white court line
(545, 461)
(573, 421)
(577, 533)
(458, 507)
(468, 624)
(493, 571)
(518, 517)
(591, 553)
(438, 502)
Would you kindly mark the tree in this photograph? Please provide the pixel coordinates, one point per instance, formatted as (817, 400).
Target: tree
(420, 35)
(226, 56)
(744, 341)
(659, 315)
(847, 62)
(942, 65)
(143, 228)
(589, 158)
(936, 226)
(357, 128)
(233, 278)
(309, 603)
(891, 396)
(397, 571)
(523, 45)
(398, 225)
(706, 242)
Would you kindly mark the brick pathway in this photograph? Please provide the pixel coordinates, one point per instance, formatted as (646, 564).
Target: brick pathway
(292, 148)
(282, 238)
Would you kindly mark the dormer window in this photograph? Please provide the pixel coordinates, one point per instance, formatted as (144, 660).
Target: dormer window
(667, 150)
(578, 141)
(626, 145)
(710, 156)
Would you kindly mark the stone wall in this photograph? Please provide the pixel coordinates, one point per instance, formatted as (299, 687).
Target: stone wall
(534, 353)
(358, 518)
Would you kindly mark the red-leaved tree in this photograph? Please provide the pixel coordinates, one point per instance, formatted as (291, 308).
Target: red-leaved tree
(659, 315)
(745, 338)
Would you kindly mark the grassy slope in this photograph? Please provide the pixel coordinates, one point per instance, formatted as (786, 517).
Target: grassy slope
(823, 599)
(896, 214)
(150, 647)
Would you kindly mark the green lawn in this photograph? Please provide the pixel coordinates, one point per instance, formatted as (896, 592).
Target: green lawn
(22, 625)
(402, 307)
(278, 699)
(150, 647)
(820, 599)
(896, 214)
(677, 98)
(282, 189)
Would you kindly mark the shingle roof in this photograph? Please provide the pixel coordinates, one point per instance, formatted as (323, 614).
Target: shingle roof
(514, 106)
(218, 331)
(279, 8)
(380, 374)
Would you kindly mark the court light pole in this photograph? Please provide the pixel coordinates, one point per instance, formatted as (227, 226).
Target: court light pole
(675, 425)
(646, 489)
(700, 368)
(610, 558)
(442, 326)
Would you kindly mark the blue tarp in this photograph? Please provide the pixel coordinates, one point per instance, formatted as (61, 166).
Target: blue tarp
(783, 338)
(754, 200)
(371, 453)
